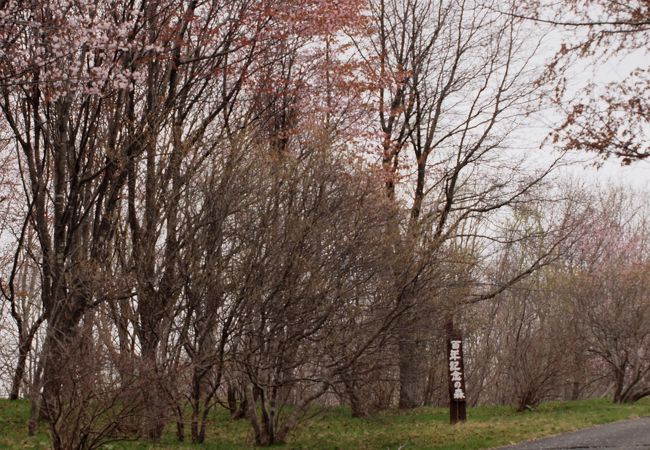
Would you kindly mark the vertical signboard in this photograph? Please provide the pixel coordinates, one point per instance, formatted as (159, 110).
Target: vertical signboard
(456, 370)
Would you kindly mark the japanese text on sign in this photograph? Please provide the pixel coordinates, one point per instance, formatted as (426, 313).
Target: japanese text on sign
(455, 370)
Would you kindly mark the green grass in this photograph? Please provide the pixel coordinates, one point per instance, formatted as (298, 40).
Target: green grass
(13, 427)
(423, 428)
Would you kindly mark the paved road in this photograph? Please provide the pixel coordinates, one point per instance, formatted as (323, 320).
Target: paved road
(629, 434)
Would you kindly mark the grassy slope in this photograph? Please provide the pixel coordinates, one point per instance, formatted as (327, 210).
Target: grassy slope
(423, 428)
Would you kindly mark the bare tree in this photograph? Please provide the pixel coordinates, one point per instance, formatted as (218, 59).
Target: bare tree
(607, 286)
(453, 78)
(81, 147)
(314, 279)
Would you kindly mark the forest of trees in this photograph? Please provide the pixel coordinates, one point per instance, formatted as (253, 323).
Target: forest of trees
(265, 205)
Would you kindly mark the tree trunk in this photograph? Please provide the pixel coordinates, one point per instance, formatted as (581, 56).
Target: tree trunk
(196, 406)
(358, 402)
(180, 425)
(412, 370)
(236, 402)
(204, 424)
(154, 415)
(19, 373)
(57, 359)
(35, 401)
(261, 432)
(619, 377)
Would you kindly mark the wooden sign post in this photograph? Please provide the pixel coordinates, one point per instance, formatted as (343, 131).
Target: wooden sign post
(456, 371)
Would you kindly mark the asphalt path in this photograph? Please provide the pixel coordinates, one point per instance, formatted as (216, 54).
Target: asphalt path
(628, 434)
